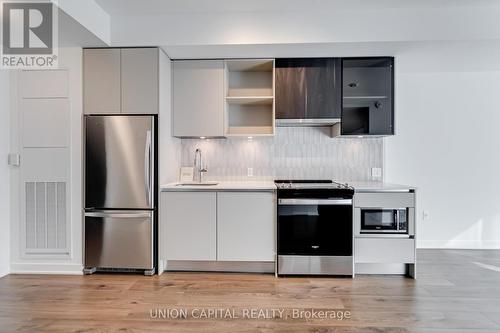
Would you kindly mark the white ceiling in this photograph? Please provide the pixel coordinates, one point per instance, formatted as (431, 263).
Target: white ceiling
(237, 28)
(162, 7)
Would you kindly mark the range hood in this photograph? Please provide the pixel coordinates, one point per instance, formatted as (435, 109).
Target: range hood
(307, 122)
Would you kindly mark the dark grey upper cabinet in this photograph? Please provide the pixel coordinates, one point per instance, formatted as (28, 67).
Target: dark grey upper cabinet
(308, 88)
(367, 96)
(290, 89)
(323, 93)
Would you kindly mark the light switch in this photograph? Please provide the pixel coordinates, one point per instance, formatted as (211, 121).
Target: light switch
(14, 159)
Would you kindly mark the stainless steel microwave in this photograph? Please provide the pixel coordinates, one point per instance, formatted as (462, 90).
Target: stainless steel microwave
(383, 220)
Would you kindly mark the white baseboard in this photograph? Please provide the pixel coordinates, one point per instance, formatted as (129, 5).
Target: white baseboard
(3, 273)
(458, 244)
(49, 268)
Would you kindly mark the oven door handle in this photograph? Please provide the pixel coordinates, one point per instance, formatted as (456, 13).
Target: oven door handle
(315, 202)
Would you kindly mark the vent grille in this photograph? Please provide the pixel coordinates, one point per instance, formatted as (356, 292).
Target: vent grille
(46, 215)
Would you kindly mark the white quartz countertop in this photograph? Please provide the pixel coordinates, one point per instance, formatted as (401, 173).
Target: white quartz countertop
(269, 186)
(380, 187)
(223, 186)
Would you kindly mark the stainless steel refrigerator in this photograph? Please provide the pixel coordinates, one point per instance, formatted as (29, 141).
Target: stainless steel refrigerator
(120, 193)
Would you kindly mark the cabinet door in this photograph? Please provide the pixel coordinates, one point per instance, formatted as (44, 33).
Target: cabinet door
(139, 89)
(381, 122)
(198, 98)
(367, 96)
(384, 250)
(101, 81)
(190, 225)
(367, 78)
(246, 226)
(367, 116)
(290, 88)
(323, 88)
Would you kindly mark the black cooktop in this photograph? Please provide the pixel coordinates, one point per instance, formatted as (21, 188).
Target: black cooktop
(310, 184)
(304, 181)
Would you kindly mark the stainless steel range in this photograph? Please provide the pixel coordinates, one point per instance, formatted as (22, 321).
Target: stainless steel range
(315, 227)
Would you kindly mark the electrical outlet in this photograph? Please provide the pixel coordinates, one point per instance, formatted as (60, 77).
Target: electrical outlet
(376, 173)
(425, 215)
(250, 172)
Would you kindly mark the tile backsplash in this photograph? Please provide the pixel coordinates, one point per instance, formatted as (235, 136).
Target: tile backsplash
(294, 152)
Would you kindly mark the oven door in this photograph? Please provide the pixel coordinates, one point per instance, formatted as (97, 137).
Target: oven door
(311, 227)
(374, 220)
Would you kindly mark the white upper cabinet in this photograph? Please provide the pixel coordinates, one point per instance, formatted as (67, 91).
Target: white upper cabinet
(139, 67)
(246, 226)
(198, 98)
(121, 81)
(101, 81)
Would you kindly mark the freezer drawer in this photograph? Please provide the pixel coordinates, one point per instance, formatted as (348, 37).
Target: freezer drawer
(119, 239)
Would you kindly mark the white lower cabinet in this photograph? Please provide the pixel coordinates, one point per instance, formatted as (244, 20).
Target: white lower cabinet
(245, 226)
(190, 220)
(218, 226)
(384, 250)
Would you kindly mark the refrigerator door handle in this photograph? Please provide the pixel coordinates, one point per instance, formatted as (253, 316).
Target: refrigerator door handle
(147, 165)
(125, 214)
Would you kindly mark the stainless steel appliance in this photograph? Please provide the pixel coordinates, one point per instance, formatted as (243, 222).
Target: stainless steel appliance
(315, 228)
(120, 187)
(384, 220)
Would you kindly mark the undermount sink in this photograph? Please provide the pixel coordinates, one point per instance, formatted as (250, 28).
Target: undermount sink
(207, 183)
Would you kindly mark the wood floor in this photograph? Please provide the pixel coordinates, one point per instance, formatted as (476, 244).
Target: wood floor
(456, 291)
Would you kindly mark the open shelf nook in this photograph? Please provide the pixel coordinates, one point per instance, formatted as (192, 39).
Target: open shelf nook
(249, 97)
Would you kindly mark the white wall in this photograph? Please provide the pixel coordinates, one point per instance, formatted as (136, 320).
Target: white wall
(169, 147)
(4, 173)
(447, 142)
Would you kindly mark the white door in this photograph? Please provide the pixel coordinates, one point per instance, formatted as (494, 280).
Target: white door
(190, 222)
(44, 172)
(246, 226)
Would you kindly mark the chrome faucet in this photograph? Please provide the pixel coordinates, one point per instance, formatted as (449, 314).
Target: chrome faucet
(198, 164)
